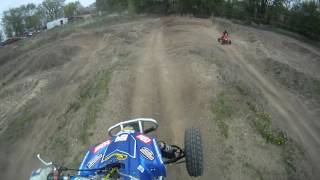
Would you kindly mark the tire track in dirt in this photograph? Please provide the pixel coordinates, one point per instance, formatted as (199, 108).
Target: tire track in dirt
(176, 87)
(156, 90)
(155, 94)
(297, 120)
(22, 155)
(293, 115)
(170, 89)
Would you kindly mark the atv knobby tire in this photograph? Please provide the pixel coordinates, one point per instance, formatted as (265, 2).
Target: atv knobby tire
(193, 152)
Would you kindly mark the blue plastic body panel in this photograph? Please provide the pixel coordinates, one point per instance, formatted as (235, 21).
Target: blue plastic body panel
(137, 153)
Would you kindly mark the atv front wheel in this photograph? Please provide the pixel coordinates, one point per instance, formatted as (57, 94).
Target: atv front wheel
(193, 152)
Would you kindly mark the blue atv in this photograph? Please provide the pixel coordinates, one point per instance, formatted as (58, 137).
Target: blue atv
(130, 154)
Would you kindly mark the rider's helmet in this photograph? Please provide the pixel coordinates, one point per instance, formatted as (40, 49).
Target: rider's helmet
(225, 32)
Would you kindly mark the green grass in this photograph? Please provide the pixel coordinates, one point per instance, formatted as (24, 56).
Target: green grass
(93, 96)
(222, 112)
(90, 119)
(317, 87)
(289, 161)
(224, 106)
(262, 122)
(18, 127)
(247, 100)
(57, 144)
(60, 142)
(77, 160)
(242, 89)
(91, 91)
(105, 20)
(88, 104)
(238, 98)
(254, 169)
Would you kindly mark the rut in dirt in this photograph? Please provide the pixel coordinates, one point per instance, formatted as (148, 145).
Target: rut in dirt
(167, 88)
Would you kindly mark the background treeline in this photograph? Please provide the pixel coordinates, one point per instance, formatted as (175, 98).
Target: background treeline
(294, 15)
(17, 21)
(302, 16)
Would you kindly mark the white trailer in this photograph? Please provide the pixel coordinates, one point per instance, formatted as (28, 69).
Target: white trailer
(57, 22)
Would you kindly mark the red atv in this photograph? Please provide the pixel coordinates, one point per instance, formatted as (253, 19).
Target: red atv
(225, 39)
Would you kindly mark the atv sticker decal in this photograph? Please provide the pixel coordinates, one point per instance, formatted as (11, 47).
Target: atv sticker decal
(100, 146)
(107, 153)
(147, 153)
(119, 156)
(140, 168)
(94, 160)
(144, 138)
(122, 137)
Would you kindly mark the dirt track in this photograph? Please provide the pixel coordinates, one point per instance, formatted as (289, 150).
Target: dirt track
(171, 69)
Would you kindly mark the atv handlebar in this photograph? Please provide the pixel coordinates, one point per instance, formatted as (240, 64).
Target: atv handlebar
(55, 172)
(140, 122)
(44, 162)
(70, 178)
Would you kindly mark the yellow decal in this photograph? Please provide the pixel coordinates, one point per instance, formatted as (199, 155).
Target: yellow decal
(120, 157)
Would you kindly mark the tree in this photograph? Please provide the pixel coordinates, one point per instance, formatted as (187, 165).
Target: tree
(112, 5)
(18, 20)
(13, 22)
(32, 16)
(72, 9)
(305, 18)
(1, 36)
(101, 5)
(41, 12)
(53, 8)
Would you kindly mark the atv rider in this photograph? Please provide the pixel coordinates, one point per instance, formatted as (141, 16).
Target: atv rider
(225, 34)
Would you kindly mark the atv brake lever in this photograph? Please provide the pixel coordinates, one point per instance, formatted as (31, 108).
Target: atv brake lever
(149, 130)
(180, 162)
